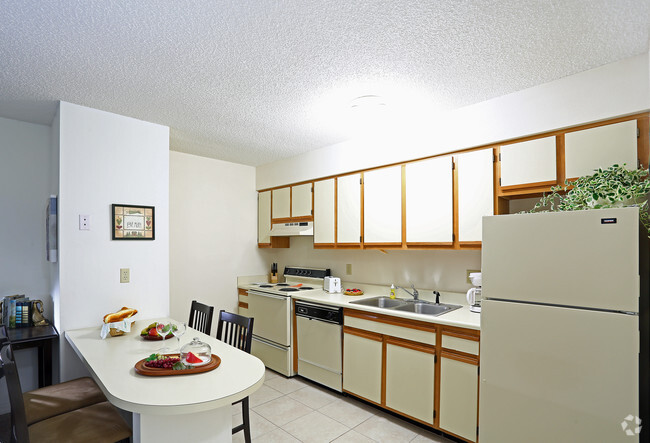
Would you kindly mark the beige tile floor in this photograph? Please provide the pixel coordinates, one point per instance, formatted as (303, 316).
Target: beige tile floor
(294, 410)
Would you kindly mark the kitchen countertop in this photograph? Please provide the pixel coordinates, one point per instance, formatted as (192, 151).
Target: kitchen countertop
(462, 317)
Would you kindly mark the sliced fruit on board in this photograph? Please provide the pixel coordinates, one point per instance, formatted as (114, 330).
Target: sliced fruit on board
(191, 358)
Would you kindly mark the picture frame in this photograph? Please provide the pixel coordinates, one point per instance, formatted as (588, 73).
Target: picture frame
(133, 222)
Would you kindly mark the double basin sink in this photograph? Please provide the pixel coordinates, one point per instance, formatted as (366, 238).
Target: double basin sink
(416, 306)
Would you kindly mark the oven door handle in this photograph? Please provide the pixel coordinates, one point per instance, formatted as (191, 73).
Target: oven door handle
(264, 294)
(270, 343)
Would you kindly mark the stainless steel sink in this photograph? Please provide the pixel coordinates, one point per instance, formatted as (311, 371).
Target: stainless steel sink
(426, 308)
(418, 307)
(380, 302)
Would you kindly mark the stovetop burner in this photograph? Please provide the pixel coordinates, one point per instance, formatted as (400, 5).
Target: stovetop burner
(282, 284)
(288, 289)
(265, 286)
(305, 287)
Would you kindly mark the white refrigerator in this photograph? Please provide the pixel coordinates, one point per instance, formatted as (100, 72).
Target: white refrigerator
(560, 327)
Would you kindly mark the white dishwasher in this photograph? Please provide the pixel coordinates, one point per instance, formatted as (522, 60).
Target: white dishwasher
(319, 343)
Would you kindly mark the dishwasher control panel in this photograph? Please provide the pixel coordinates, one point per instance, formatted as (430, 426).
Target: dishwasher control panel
(312, 311)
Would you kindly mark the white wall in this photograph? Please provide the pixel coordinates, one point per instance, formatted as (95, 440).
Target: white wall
(440, 270)
(25, 188)
(612, 90)
(213, 231)
(106, 158)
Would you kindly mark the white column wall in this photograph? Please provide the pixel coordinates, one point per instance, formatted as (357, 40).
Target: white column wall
(106, 158)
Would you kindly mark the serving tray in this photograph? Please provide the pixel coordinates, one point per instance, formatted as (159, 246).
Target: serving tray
(141, 369)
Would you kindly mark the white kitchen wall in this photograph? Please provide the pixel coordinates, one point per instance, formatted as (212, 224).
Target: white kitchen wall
(106, 158)
(25, 185)
(612, 90)
(440, 270)
(213, 231)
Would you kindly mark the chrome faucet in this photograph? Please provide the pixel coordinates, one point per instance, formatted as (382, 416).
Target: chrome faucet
(437, 294)
(415, 294)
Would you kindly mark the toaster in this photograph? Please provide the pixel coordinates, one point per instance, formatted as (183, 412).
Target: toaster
(332, 284)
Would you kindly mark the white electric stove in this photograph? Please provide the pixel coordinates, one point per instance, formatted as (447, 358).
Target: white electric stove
(270, 305)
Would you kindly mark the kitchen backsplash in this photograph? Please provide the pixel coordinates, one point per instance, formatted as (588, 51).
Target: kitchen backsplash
(440, 270)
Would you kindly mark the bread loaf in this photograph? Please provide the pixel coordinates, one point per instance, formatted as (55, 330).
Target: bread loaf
(120, 315)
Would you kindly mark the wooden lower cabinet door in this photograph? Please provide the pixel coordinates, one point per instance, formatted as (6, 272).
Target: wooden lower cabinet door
(410, 374)
(459, 397)
(362, 353)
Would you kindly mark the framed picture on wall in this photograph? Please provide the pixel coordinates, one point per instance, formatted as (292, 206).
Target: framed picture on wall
(132, 222)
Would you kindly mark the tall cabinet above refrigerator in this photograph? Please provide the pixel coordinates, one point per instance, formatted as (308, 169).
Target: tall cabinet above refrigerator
(560, 337)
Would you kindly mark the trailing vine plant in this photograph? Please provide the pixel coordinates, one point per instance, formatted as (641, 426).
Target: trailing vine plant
(613, 187)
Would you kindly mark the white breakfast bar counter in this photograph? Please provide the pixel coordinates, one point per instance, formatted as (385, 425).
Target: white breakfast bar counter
(192, 407)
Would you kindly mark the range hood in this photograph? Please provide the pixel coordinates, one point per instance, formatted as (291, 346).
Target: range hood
(292, 229)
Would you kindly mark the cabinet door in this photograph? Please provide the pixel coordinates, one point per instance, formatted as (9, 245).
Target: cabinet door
(281, 203)
(264, 217)
(475, 192)
(410, 373)
(324, 211)
(458, 396)
(429, 201)
(600, 147)
(382, 205)
(529, 162)
(362, 353)
(348, 209)
(301, 200)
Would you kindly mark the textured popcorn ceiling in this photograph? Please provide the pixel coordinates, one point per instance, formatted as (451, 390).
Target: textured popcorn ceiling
(256, 81)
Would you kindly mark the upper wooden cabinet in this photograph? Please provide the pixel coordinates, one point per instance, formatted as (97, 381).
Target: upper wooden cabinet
(264, 218)
(281, 203)
(600, 147)
(382, 206)
(439, 202)
(324, 212)
(475, 192)
(429, 201)
(301, 200)
(348, 210)
(532, 162)
(292, 203)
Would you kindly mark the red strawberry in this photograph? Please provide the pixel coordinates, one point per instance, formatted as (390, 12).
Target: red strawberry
(153, 332)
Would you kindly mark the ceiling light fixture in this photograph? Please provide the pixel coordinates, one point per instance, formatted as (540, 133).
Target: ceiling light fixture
(367, 101)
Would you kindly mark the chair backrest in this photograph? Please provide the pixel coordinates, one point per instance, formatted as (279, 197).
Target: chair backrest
(10, 373)
(236, 330)
(4, 336)
(201, 317)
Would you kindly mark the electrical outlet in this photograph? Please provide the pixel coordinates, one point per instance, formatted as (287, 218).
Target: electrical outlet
(125, 275)
(348, 269)
(84, 222)
(470, 271)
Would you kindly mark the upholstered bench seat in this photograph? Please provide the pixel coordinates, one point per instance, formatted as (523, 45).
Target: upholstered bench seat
(54, 400)
(98, 423)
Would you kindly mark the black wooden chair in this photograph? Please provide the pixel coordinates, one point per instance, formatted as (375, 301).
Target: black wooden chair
(237, 331)
(201, 317)
(98, 422)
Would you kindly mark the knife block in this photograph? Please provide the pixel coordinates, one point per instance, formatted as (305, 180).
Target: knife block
(274, 278)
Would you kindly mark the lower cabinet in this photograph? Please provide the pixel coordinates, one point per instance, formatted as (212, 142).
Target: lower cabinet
(362, 356)
(425, 371)
(458, 396)
(410, 375)
(242, 305)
